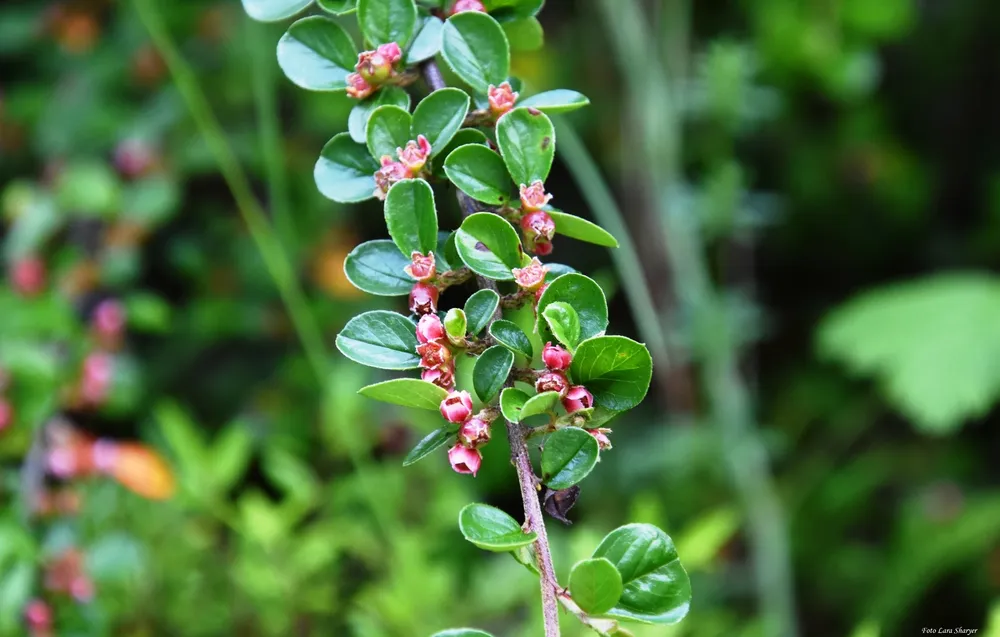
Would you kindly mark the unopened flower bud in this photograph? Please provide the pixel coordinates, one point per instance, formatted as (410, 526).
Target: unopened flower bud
(6, 413)
(109, 319)
(421, 268)
(134, 157)
(415, 155)
(603, 442)
(98, 369)
(474, 433)
(442, 376)
(357, 87)
(577, 398)
(534, 197)
(391, 52)
(532, 276)
(467, 5)
(542, 248)
(429, 328)
(455, 324)
(423, 299)
(457, 407)
(27, 276)
(556, 358)
(81, 588)
(390, 172)
(501, 98)
(433, 354)
(38, 616)
(375, 67)
(465, 460)
(538, 225)
(552, 381)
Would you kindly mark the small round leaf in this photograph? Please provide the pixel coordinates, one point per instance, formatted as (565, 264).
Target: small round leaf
(595, 585)
(357, 122)
(381, 339)
(439, 116)
(480, 173)
(539, 404)
(430, 443)
(273, 10)
(427, 43)
(615, 369)
(511, 402)
(411, 217)
(475, 47)
(338, 7)
(317, 54)
(568, 456)
(491, 371)
(407, 392)
(586, 297)
(479, 309)
(527, 142)
(384, 21)
(512, 337)
(489, 245)
(376, 267)
(524, 34)
(345, 170)
(582, 230)
(491, 529)
(462, 632)
(557, 101)
(563, 322)
(388, 129)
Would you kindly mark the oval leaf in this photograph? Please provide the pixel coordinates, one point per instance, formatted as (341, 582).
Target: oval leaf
(615, 369)
(273, 10)
(539, 404)
(474, 45)
(524, 34)
(408, 392)
(317, 54)
(384, 21)
(563, 323)
(479, 309)
(489, 245)
(512, 337)
(491, 529)
(376, 267)
(345, 170)
(338, 7)
(439, 116)
(557, 101)
(357, 122)
(656, 587)
(462, 632)
(581, 229)
(567, 457)
(431, 442)
(462, 138)
(428, 41)
(480, 173)
(511, 402)
(586, 297)
(491, 371)
(381, 339)
(411, 217)
(595, 585)
(527, 142)
(388, 130)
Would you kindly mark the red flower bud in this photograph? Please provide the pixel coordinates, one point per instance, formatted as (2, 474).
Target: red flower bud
(465, 460)
(423, 299)
(532, 276)
(429, 328)
(390, 172)
(474, 433)
(433, 354)
(556, 358)
(28, 276)
(134, 157)
(442, 376)
(542, 248)
(467, 5)
(415, 155)
(357, 87)
(538, 225)
(109, 319)
(391, 52)
(534, 197)
(6, 414)
(421, 268)
(457, 407)
(38, 615)
(552, 381)
(577, 398)
(603, 442)
(375, 67)
(98, 370)
(501, 98)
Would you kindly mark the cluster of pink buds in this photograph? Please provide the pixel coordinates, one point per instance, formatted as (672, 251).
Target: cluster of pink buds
(108, 323)
(574, 397)
(27, 276)
(435, 357)
(38, 617)
(410, 161)
(537, 225)
(374, 68)
(501, 98)
(473, 433)
(65, 574)
(467, 5)
(531, 277)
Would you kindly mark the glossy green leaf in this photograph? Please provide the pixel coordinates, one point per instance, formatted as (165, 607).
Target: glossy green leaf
(656, 587)
(556, 270)
(511, 402)
(491, 371)
(586, 297)
(475, 47)
(317, 54)
(491, 529)
(489, 245)
(595, 585)
(568, 456)
(480, 173)
(384, 21)
(439, 116)
(345, 170)
(527, 143)
(411, 217)
(273, 10)
(462, 632)
(539, 404)
(509, 9)
(427, 43)
(407, 392)
(357, 122)
(431, 443)
(558, 101)
(524, 34)
(338, 7)
(388, 130)
(479, 309)
(381, 339)
(512, 337)
(463, 137)
(581, 229)
(376, 267)
(563, 322)
(615, 369)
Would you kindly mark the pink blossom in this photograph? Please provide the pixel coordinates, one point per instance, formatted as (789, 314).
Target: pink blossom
(98, 369)
(390, 172)
(603, 442)
(465, 460)
(467, 5)
(28, 276)
(357, 87)
(433, 354)
(109, 318)
(538, 225)
(534, 197)
(556, 358)
(501, 98)
(552, 381)
(421, 268)
(457, 407)
(474, 433)
(423, 299)
(6, 414)
(442, 376)
(577, 398)
(429, 328)
(532, 276)
(38, 615)
(415, 155)
(391, 52)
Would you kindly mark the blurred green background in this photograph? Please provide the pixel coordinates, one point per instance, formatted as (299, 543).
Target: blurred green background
(813, 194)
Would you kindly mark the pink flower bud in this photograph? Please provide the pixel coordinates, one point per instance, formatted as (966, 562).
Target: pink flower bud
(540, 291)
(28, 276)
(134, 157)
(534, 197)
(429, 328)
(421, 268)
(81, 588)
(442, 376)
(375, 67)
(501, 98)
(542, 248)
(423, 299)
(577, 398)
(104, 453)
(552, 381)
(357, 87)
(465, 460)
(433, 354)
(538, 226)
(109, 318)
(457, 407)
(38, 615)
(532, 276)
(415, 155)
(391, 52)
(390, 172)
(6, 414)
(603, 442)
(556, 358)
(467, 5)
(98, 369)
(474, 433)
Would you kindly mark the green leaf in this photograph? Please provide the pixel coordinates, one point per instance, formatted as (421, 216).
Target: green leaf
(527, 143)
(489, 245)
(411, 217)
(338, 7)
(539, 404)
(88, 188)
(345, 170)
(491, 529)
(439, 116)
(480, 173)
(509, 9)
(381, 339)
(357, 122)
(431, 443)
(475, 47)
(586, 297)
(462, 138)
(564, 323)
(376, 267)
(932, 345)
(462, 632)
(511, 402)
(524, 34)
(479, 309)
(384, 21)
(595, 585)
(388, 129)
(581, 229)
(491, 371)
(615, 369)
(512, 337)
(656, 586)
(317, 54)
(428, 41)
(558, 101)
(273, 10)
(568, 456)
(407, 392)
